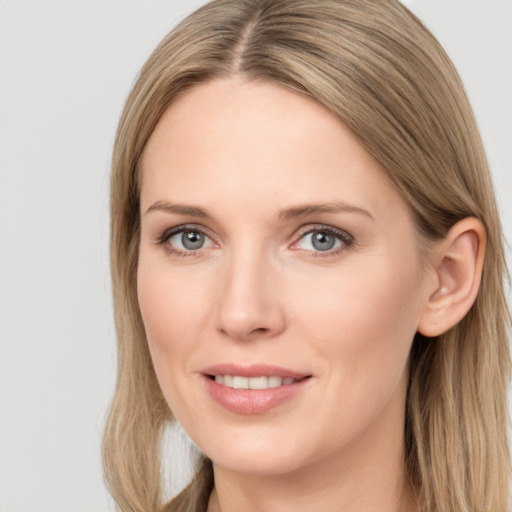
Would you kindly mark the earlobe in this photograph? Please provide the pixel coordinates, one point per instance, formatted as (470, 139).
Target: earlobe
(457, 264)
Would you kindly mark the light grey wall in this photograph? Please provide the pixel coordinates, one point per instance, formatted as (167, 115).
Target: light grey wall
(65, 70)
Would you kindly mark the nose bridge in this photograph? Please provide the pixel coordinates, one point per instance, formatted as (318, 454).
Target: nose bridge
(249, 304)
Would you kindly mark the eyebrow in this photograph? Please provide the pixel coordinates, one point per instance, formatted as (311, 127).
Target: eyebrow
(293, 212)
(311, 209)
(180, 209)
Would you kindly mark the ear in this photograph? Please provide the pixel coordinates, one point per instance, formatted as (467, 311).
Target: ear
(457, 262)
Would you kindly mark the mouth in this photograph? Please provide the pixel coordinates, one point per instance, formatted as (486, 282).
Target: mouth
(254, 389)
(259, 383)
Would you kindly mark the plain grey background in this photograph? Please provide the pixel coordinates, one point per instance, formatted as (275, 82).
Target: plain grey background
(65, 69)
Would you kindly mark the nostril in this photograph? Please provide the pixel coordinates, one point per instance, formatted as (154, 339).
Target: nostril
(260, 330)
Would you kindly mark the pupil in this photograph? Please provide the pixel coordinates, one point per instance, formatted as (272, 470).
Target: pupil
(323, 241)
(192, 240)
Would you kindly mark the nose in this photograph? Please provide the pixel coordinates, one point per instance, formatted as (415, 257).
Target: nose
(250, 305)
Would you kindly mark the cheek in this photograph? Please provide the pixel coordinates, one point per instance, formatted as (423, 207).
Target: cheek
(173, 310)
(365, 318)
(361, 332)
(171, 305)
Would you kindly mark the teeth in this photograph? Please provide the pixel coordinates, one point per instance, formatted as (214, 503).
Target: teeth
(239, 382)
(274, 382)
(258, 383)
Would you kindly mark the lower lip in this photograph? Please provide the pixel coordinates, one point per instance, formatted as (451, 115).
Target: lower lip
(253, 401)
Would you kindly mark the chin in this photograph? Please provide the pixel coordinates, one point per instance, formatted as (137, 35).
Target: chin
(259, 454)
(254, 464)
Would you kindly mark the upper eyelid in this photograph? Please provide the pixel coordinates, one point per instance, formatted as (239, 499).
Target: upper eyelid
(311, 228)
(169, 232)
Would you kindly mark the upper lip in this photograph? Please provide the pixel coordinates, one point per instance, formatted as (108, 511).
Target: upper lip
(253, 370)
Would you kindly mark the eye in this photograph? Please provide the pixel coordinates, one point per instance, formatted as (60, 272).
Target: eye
(324, 239)
(186, 240)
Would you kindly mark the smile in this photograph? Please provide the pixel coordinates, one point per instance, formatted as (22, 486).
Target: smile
(254, 389)
(263, 382)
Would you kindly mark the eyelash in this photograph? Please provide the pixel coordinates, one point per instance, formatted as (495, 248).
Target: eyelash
(345, 238)
(169, 233)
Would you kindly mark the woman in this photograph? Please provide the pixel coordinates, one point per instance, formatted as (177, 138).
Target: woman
(308, 268)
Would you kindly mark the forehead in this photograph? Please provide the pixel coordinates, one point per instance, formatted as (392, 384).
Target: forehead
(253, 142)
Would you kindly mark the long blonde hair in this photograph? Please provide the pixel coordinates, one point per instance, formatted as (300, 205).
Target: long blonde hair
(373, 64)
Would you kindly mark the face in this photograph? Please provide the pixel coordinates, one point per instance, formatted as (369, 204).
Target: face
(280, 280)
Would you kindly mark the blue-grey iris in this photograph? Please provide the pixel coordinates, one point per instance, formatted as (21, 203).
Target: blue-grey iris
(322, 241)
(192, 240)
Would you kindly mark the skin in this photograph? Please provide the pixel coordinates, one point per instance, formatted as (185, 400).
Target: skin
(258, 291)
